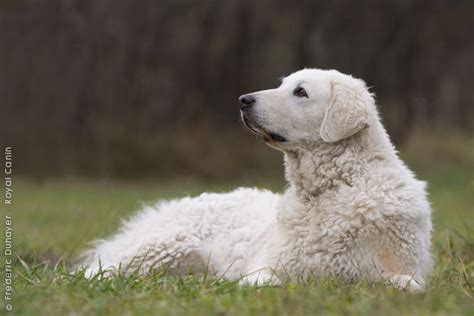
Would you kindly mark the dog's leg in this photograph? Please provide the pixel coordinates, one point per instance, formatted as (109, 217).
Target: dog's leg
(176, 253)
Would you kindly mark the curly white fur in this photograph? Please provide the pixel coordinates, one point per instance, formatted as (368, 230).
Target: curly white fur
(352, 208)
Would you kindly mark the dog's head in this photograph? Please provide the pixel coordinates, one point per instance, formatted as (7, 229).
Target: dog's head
(310, 106)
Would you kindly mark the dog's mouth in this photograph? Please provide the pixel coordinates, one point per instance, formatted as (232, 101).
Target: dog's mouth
(267, 136)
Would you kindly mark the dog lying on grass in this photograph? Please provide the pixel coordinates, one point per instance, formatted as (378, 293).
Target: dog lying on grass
(352, 209)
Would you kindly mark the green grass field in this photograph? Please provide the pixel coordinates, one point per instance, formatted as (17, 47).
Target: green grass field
(54, 220)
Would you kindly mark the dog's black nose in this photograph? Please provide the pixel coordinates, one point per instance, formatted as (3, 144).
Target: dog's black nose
(246, 100)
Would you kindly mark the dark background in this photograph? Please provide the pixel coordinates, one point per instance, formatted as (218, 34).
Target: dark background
(148, 89)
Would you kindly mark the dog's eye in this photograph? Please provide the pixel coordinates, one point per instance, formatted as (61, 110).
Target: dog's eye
(300, 92)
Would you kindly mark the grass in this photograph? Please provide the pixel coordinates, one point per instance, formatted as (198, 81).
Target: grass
(54, 220)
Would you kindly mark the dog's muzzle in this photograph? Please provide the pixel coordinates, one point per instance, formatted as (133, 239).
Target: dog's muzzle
(256, 129)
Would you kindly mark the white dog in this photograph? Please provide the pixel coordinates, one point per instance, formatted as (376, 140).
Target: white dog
(352, 208)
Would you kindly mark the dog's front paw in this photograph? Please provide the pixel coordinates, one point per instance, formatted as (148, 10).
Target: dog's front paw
(402, 281)
(259, 279)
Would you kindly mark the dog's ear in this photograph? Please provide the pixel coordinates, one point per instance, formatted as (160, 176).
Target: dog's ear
(347, 112)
